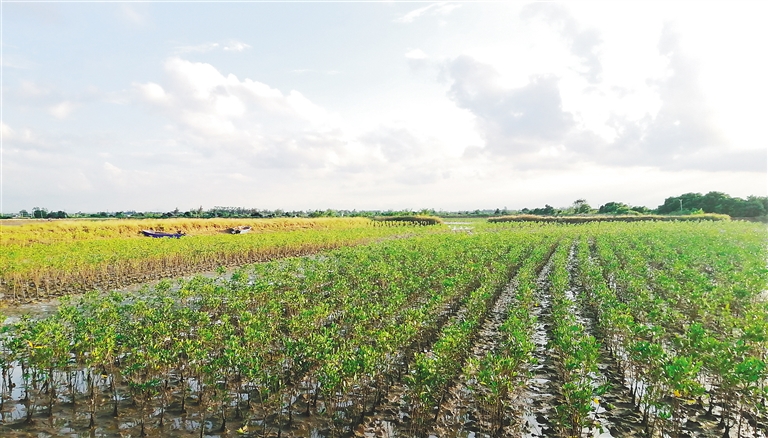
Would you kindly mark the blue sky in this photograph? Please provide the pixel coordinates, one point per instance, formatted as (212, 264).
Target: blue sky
(153, 106)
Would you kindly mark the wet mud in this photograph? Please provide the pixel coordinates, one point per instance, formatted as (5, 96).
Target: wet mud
(542, 389)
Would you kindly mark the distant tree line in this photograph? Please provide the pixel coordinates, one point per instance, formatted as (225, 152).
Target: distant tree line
(688, 203)
(223, 212)
(715, 202)
(41, 213)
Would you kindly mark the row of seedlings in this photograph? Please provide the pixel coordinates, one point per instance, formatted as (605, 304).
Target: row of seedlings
(497, 378)
(660, 378)
(375, 354)
(434, 371)
(576, 354)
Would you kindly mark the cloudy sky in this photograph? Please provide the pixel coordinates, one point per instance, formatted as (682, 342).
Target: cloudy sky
(153, 106)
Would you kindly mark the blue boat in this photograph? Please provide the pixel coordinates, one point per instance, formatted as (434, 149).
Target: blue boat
(158, 234)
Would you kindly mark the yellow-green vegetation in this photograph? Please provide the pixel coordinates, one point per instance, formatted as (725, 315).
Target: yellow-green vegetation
(609, 218)
(117, 258)
(46, 231)
(417, 220)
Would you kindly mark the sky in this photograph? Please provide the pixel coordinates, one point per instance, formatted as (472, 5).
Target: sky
(152, 106)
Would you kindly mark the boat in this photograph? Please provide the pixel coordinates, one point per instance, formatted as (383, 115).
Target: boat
(158, 234)
(240, 230)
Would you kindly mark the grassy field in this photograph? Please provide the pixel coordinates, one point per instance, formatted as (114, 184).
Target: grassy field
(31, 232)
(50, 258)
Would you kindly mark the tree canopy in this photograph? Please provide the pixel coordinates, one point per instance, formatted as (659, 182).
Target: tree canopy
(716, 202)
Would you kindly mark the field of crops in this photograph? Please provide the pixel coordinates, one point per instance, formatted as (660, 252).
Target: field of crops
(602, 329)
(31, 232)
(45, 259)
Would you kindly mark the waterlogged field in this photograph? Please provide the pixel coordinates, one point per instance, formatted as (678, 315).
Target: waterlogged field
(47, 259)
(609, 330)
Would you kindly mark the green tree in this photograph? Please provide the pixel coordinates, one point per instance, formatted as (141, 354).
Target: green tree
(690, 201)
(762, 200)
(56, 215)
(580, 206)
(749, 208)
(39, 213)
(613, 208)
(715, 202)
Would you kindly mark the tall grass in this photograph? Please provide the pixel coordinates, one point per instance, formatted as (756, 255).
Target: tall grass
(44, 231)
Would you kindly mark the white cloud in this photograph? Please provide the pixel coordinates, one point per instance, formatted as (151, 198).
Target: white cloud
(530, 127)
(6, 133)
(28, 136)
(258, 123)
(30, 89)
(16, 61)
(418, 60)
(512, 121)
(199, 78)
(265, 128)
(236, 46)
(583, 43)
(239, 177)
(308, 110)
(152, 92)
(415, 54)
(433, 9)
(112, 169)
(230, 46)
(414, 14)
(62, 110)
(394, 144)
(198, 48)
(229, 106)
